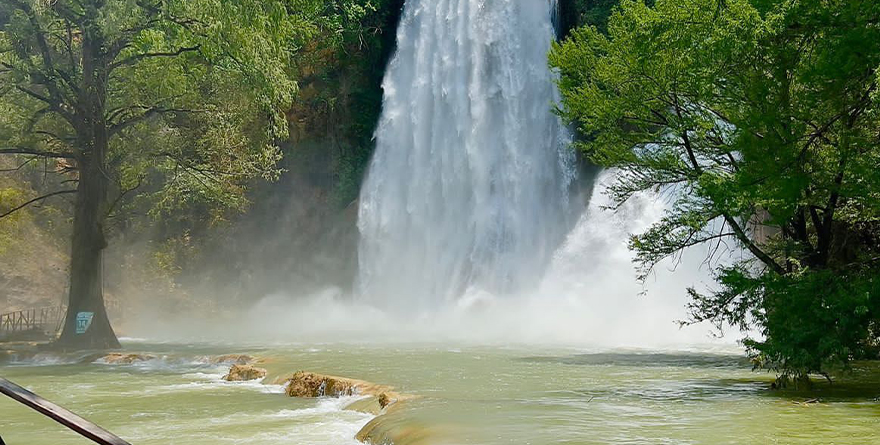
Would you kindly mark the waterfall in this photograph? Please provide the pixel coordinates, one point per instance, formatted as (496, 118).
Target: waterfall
(468, 190)
(556, 17)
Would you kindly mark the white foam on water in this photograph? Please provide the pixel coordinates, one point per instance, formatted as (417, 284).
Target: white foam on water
(325, 423)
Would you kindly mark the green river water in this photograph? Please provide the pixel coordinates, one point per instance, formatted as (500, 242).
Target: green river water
(466, 395)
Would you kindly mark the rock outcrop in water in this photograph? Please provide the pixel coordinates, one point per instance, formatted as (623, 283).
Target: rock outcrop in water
(379, 400)
(244, 373)
(308, 384)
(117, 358)
(233, 359)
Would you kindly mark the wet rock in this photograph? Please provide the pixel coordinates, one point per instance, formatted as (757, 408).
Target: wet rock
(117, 358)
(233, 359)
(244, 373)
(379, 400)
(308, 384)
(384, 400)
(374, 404)
(391, 426)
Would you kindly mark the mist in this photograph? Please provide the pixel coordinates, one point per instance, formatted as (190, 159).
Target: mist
(589, 297)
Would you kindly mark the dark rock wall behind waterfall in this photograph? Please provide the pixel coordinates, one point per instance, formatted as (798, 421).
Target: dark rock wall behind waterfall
(301, 234)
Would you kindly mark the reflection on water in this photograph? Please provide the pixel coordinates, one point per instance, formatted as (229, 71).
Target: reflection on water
(468, 395)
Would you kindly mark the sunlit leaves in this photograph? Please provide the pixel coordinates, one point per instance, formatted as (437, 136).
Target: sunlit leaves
(743, 108)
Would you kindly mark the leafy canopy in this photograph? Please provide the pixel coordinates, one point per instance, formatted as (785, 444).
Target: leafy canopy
(196, 91)
(757, 117)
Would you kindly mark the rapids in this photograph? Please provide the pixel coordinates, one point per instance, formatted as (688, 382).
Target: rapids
(467, 395)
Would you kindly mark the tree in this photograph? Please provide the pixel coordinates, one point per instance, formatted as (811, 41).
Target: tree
(748, 113)
(189, 94)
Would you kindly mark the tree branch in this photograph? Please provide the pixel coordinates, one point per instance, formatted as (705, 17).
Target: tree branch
(45, 54)
(741, 234)
(34, 152)
(21, 166)
(131, 60)
(148, 113)
(754, 249)
(35, 200)
(122, 194)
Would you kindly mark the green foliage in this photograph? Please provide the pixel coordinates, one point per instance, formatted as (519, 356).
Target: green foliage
(813, 319)
(197, 92)
(341, 91)
(594, 12)
(160, 115)
(746, 114)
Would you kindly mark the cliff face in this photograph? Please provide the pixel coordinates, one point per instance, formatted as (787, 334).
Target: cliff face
(33, 271)
(33, 251)
(299, 234)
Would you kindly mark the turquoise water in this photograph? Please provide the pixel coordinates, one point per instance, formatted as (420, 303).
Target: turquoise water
(466, 395)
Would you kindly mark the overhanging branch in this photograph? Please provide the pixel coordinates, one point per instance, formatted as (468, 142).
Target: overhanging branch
(131, 60)
(36, 200)
(20, 166)
(122, 195)
(148, 113)
(34, 152)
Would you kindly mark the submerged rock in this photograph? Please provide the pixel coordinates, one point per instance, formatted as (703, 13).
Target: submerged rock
(375, 404)
(117, 358)
(233, 359)
(243, 373)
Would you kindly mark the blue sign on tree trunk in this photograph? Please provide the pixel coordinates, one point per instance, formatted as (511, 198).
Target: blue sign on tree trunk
(83, 321)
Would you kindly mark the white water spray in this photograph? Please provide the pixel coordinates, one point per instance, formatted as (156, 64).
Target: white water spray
(468, 189)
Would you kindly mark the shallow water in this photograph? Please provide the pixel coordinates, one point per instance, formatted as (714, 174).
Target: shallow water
(476, 395)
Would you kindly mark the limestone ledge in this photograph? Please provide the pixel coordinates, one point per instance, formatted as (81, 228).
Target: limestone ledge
(382, 401)
(117, 358)
(244, 373)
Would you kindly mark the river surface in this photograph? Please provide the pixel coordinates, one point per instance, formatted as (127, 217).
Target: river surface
(466, 395)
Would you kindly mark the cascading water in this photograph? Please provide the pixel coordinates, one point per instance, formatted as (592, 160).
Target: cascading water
(468, 188)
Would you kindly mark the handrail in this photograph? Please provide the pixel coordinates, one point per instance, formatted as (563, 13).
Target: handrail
(61, 415)
(49, 319)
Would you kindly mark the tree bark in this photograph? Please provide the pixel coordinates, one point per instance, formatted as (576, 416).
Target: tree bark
(86, 294)
(87, 325)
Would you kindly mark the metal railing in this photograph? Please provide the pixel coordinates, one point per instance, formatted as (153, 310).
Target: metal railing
(61, 415)
(47, 320)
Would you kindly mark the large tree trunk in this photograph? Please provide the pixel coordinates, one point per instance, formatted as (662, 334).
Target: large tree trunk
(87, 325)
